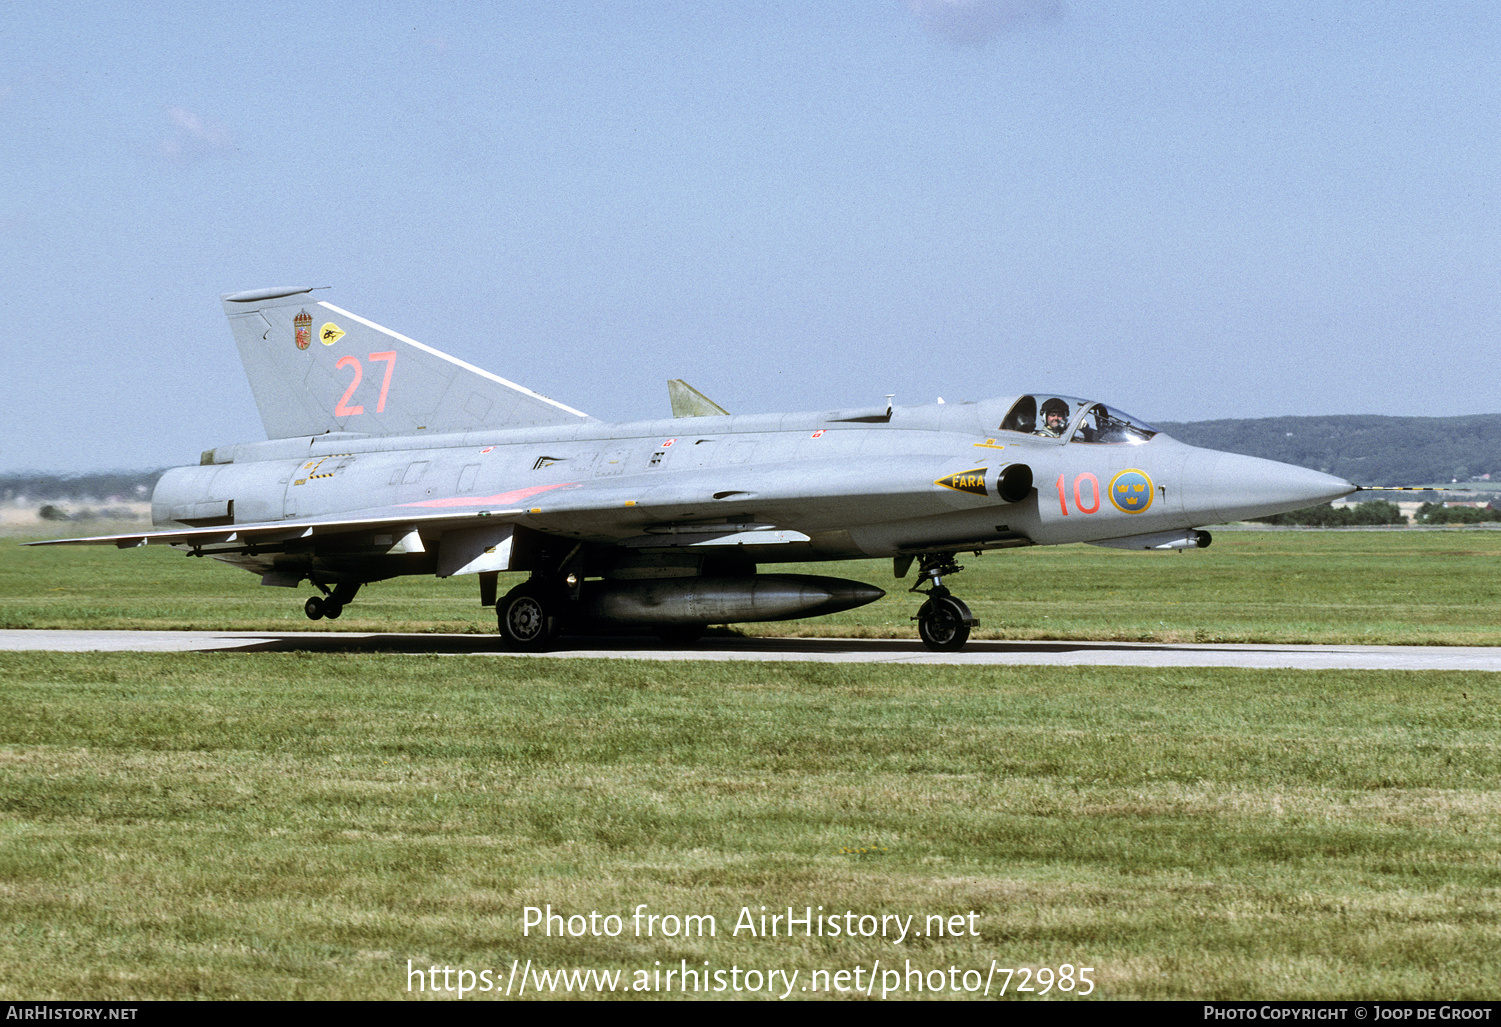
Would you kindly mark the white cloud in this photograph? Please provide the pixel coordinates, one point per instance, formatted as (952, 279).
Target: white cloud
(193, 135)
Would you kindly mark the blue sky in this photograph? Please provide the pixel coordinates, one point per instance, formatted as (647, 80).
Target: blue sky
(1189, 210)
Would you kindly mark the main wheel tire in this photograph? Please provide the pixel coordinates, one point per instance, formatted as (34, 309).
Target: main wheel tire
(314, 608)
(331, 609)
(526, 618)
(943, 624)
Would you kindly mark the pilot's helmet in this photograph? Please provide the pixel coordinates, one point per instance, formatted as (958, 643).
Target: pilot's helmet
(1054, 406)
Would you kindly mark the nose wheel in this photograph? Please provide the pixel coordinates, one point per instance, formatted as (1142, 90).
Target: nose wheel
(943, 622)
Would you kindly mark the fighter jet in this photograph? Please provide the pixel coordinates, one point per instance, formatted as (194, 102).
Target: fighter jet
(385, 456)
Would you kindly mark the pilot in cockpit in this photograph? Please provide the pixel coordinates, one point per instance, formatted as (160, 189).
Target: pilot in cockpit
(1054, 418)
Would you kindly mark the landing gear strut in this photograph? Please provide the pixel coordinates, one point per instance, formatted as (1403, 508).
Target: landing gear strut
(332, 602)
(943, 622)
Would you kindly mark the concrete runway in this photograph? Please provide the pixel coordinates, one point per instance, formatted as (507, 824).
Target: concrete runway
(827, 650)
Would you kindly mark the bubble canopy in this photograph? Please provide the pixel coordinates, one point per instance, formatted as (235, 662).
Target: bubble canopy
(1075, 420)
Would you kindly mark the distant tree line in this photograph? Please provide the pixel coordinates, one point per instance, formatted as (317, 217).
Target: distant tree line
(48, 512)
(1438, 513)
(1329, 516)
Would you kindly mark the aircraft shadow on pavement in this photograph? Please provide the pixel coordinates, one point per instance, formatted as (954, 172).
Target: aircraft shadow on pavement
(334, 642)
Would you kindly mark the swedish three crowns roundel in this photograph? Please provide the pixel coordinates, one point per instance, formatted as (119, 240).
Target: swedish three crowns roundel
(1131, 491)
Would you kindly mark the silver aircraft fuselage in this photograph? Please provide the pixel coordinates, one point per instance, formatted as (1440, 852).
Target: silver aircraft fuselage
(849, 488)
(391, 458)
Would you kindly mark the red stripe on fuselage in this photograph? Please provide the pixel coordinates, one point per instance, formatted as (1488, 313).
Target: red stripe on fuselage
(503, 499)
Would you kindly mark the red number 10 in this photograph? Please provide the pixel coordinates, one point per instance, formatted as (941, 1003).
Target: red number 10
(1094, 494)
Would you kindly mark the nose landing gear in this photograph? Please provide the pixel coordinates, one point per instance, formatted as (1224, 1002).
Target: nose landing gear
(943, 622)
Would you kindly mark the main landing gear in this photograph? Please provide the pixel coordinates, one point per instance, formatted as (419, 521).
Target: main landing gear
(533, 614)
(943, 622)
(332, 602)
(528, 615)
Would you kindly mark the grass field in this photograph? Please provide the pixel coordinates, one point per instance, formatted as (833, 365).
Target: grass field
(1413, 587)
(297, 826)
(219, 825)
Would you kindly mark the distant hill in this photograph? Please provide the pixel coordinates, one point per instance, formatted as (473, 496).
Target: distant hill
(1366, 450)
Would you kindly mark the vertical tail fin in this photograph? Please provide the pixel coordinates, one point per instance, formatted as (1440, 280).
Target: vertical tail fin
(315, 368)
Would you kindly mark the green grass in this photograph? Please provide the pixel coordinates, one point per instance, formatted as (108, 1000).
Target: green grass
(300, 826)
(1361, 587)
(296, 826)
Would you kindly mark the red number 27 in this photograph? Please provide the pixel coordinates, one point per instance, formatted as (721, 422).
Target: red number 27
(343, 409)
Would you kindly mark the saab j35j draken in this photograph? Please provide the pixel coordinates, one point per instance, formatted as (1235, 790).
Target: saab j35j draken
(387, 457)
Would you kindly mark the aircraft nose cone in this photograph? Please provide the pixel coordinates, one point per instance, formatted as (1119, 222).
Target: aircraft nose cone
(1229, 487)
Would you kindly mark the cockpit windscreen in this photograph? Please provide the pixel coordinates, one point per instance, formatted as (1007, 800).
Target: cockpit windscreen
(1077, 420)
